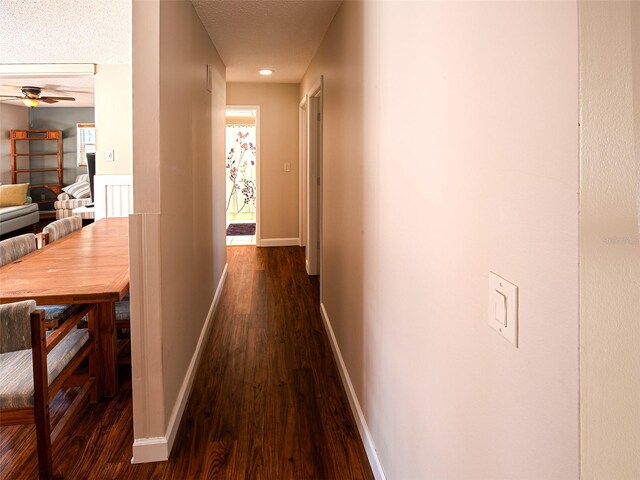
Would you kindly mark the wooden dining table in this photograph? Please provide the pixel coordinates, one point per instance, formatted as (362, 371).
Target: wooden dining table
(88, 266)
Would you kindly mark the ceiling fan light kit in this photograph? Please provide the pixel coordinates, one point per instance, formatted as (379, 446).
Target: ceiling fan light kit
(31, 97)
(31, 102)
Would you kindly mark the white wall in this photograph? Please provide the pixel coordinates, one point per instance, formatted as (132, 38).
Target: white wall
(278, 144)
(11, 118)
(610, 240)
(451, 150)
(113, 107)
(178, 229)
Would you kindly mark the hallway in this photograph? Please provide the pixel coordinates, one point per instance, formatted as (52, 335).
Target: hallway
(267, 401)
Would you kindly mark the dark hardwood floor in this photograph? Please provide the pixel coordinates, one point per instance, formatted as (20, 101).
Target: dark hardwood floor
(267, 401)
(36, 228)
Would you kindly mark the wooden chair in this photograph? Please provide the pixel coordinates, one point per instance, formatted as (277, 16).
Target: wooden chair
(34, 366)
(13, 249)
(60, 228)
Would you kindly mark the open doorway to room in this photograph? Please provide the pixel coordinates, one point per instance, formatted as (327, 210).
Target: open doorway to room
(242, 175)
(311, 177)
(47, 129)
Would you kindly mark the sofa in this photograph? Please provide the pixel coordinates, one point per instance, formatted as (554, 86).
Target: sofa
(16, 208)
(67, 200)
(19, 216)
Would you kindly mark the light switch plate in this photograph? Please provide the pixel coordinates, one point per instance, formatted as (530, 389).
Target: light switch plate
(108, 156)
(287, 166)
(502, 291)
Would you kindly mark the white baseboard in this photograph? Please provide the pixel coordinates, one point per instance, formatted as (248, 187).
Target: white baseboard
(369, 446)
(147, 450)
(279, 242)
(157, 449)
(185, 390)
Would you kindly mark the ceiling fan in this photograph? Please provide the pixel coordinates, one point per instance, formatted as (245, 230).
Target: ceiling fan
(31, 97)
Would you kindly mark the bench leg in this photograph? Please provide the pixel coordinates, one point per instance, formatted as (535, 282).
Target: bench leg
(94, 363)
(108, 368)
(43, 441)
(41, 396)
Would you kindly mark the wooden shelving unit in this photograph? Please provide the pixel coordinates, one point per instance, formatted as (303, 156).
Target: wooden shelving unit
(51, 136)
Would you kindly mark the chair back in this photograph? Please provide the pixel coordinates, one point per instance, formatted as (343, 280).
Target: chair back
(13, 248)
(15, 326)
(61, 228)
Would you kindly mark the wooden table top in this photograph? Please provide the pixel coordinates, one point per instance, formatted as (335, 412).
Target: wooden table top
(89, 265)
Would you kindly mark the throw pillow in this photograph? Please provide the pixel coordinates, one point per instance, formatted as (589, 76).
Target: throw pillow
(78, 190)
(13, 195)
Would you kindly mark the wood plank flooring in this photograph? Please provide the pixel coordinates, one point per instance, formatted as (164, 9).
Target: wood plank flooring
(267, 401)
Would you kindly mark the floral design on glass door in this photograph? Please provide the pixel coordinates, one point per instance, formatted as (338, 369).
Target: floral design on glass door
(241, 168)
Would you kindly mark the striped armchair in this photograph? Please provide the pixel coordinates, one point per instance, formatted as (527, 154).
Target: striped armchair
(66, 203)
(34, 366)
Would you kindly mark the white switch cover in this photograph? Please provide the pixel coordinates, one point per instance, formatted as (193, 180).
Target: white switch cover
(108, 156)
(503, 308)
(500, 307)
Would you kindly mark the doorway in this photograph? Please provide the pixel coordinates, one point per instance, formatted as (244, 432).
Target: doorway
(242, 175)
(311, 122)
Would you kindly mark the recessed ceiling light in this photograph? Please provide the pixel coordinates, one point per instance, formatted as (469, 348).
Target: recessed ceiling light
(265, 71)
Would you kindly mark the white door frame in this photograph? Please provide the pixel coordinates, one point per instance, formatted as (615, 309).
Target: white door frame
(258, 189)
(302, 171)
(313, 250)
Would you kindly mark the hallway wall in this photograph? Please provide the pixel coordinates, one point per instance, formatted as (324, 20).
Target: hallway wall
(178, 229)
(451, 133)
(278, 144)
(610, 240)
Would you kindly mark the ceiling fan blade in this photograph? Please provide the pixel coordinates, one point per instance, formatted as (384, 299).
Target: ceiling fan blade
(10, 96)
(48, 100)
(58, 90)
(45, 99)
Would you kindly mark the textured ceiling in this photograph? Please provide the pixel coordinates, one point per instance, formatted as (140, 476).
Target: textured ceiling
(65, 31)
(279, 34)
(81, 88)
